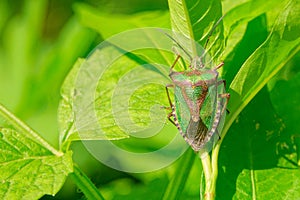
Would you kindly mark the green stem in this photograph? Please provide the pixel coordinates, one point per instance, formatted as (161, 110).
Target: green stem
(85, 184)
(209, 178)
(176, 185)
(24, 128)
(214, 162)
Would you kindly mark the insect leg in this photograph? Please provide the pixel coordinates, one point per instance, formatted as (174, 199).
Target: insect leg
(177, 58)
(168, 94)
(225, 95)
(169, 118)
(219, 66)
(166, 107)
(171, 104)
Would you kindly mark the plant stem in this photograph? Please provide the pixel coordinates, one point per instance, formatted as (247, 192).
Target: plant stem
(214, 162)
(176, 185)
(85, 184)
(24, 128)
(209, 178)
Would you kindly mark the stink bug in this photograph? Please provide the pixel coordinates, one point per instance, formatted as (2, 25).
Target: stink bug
(199, 108)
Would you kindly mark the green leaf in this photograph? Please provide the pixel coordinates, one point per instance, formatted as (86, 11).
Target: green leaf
(235, 20)
(281, 45)
(67, 114)
(27, 169)
(256, 141)
(125, 96)
(194, 20)
(275, 183)
(119, 91)
(108, 24)
(257, 33)
(102, 100)
(120, 86)
(285, 96)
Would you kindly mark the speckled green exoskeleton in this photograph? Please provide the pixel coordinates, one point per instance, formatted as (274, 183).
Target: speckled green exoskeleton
(200, 101)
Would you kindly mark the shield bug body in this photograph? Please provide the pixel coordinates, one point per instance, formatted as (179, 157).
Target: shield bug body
(200, 104)
(200, 101)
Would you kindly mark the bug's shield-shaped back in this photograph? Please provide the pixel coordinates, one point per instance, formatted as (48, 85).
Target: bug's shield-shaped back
(215, 121)
(182, 110)
(202, 132)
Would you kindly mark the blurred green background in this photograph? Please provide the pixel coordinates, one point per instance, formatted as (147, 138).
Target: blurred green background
(39, 43)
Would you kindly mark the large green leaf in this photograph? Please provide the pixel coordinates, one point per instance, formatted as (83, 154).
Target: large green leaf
(257, 146)
(253, 148)
(140, 101)
(281, 45)
(257, 33)
(94, 19)
(67, 115)
(27, 169)
(235, 20)
(119, 91)
(285, 96)
(275, 183)
(131, 87)
(194, 20)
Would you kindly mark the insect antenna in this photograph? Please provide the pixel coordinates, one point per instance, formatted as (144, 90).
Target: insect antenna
(208, 37)
(212, 31)
(169, 36)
